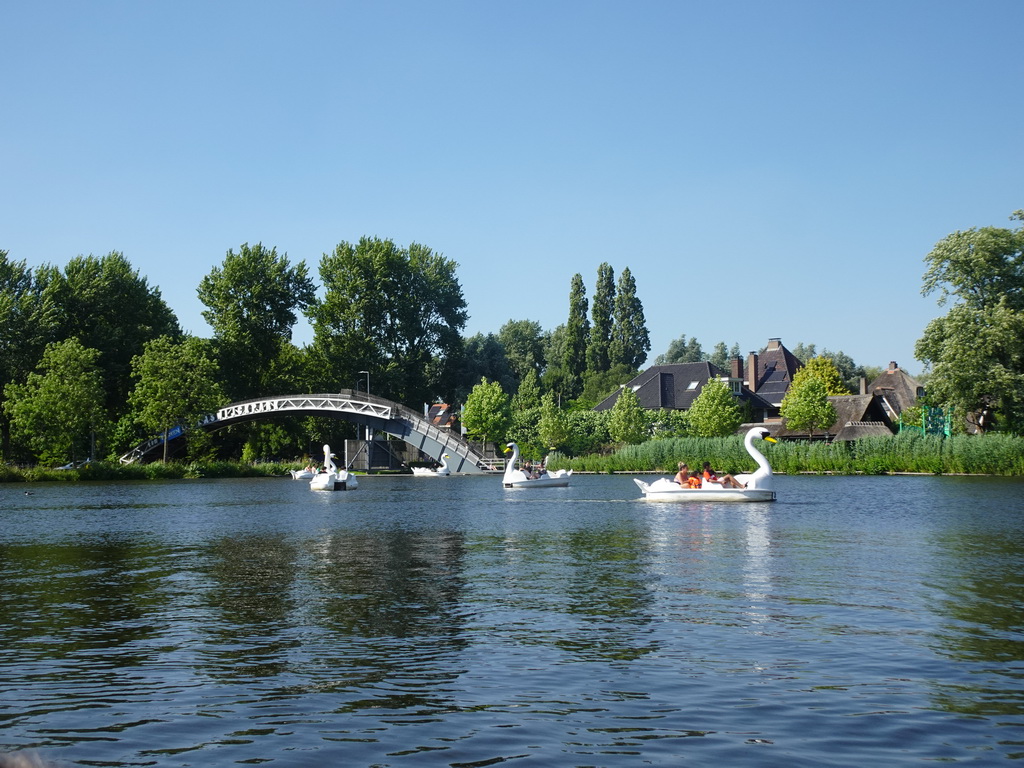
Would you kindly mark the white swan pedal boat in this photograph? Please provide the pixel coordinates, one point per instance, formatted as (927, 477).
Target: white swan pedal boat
(759, 486)
(332, 478)
(516, 478)
(441, 471)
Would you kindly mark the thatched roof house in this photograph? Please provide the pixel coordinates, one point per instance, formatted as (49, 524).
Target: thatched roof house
(857, 416)
(896, 388)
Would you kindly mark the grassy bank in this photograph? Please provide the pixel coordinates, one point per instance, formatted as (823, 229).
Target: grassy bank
(155, 471)
(994, 454)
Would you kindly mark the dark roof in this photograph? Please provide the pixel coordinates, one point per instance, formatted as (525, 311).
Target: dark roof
(775, 368)
(442, 415)
(675, 387)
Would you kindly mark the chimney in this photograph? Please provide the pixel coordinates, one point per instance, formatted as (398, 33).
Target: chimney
(893, 366)
(752, 371)
(736, 368)
(774, 343)
(863, 385)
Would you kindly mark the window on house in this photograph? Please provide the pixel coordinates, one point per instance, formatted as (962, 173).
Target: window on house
(692, 385)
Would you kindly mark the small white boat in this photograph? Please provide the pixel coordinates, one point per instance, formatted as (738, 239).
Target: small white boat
(302, 474)
(759, 486)
(332, 478)
(441, 471)
(517, 478)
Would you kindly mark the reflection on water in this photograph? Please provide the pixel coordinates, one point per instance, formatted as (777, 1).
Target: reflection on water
(856, 620)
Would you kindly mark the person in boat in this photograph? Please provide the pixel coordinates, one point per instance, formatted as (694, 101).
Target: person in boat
(726, 480)
(694, 480)
(683, 475)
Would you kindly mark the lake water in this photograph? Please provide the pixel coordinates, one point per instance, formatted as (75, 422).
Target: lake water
(451, 622)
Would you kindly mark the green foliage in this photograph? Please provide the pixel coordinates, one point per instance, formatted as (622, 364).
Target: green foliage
(528, 395)
(59, 404)
(577, 333)
(825, 369)
(681, 351)
(630, 340)
(715, 412)
(523, 430)
(483, 357)
(109, 307)
(602, 319)
(588, 431)
(176, 384)
(553, 427)
(487, 413)
(523, 341)
(806, 406)
(994, 454)
(628, 422)
(252, 301)
(977, 350)
(598, 386)
(397, 312)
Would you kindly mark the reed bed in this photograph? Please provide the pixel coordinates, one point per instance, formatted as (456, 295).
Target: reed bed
(993, 454)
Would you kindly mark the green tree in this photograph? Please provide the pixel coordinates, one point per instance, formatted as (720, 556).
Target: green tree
(109, 307)
(396, 312)
(60, 405)
(487, 414)
(602, 319)
(806, 406)
(715, 412)
(176, 384)
(628, 421)
(553, 427)
(28, 321)
(681, 351)
(977, 360)
(252, 301)
(975, 350)
(483, 357)
(630, 341)
(523, 341)
(577, 334)
(822, 368)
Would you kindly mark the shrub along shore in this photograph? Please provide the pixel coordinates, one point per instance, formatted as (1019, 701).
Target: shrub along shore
(993, 454)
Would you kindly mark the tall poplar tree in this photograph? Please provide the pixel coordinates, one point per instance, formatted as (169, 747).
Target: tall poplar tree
(630, 341)
(577, 331)
(602, 319)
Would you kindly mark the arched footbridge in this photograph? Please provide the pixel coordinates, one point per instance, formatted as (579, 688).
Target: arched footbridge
(374, 412)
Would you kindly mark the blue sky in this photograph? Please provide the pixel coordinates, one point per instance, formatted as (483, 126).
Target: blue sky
(764, 169)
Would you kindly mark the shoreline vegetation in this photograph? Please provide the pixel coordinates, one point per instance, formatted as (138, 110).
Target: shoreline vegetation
(908, 453)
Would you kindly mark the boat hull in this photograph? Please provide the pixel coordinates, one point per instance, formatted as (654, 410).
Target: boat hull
(667, 490)
(331, 481)
(428, 472)
(555, 480)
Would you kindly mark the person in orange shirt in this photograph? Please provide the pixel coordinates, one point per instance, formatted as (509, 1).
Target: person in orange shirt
(726, 481)
(694, 480)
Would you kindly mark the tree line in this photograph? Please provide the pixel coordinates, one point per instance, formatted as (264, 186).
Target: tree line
(93, 360)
